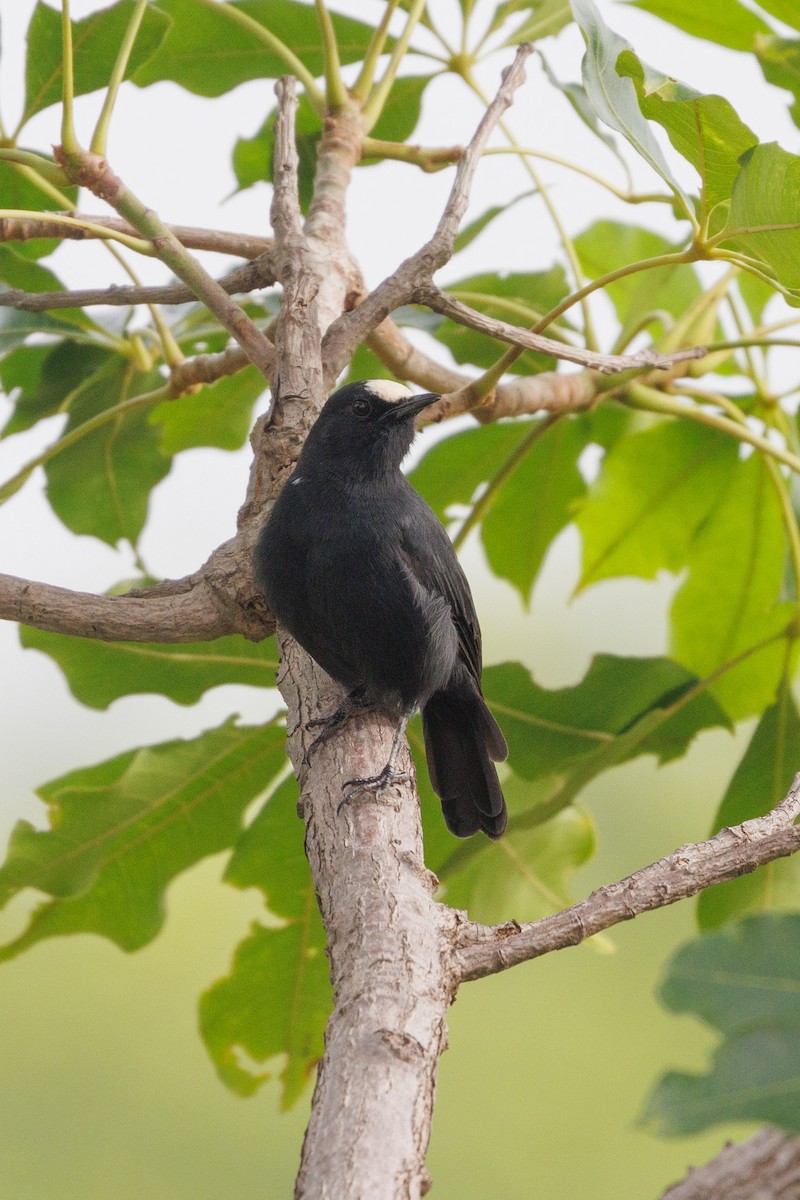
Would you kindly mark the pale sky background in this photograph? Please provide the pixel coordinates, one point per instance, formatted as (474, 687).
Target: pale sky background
(173, 149)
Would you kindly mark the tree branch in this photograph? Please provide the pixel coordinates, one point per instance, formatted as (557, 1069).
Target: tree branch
(766, 1166)
(607, 364)
(485, 950)
(92, 171)
(43, 225)
(248, 278)
(185, 614)
(410, 277)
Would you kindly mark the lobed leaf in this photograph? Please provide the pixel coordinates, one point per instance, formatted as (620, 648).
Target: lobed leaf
(731, 599)
(277, 996)
(101, 485)
(98, 673)
(705, 130)
(551, 732)
(614, 97)
(745, 982)
(220, 414)
(527, 872)
(276, 1000)
(190, 53)
(726, 22)
(654, 492)
(779, 59)
(764, 215)
(121, 831)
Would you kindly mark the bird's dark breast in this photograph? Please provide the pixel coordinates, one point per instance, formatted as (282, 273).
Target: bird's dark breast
(335, 576)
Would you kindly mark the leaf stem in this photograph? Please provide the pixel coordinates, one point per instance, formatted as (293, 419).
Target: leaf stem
(627, 196)
(140, 245)
(337, 95)
(506, 469)
(366, 76)
(13, 485)
(639, 395)
(100, 136)
(379, 94)
(68, 139)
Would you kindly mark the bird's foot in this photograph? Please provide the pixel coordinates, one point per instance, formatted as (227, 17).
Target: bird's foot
(351, 704)
(374, 783)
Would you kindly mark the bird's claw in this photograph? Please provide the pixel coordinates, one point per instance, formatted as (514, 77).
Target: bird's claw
(375, 783)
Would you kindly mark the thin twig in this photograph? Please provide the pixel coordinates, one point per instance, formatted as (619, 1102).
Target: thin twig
(29, 226)
(92, 171)
(248, 278)
(607, 364)
(485, 950)
(400, 287)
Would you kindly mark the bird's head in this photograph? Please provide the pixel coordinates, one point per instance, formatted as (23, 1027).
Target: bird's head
(367, 426)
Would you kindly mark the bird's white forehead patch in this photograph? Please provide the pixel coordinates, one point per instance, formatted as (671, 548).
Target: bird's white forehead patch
(387, 390)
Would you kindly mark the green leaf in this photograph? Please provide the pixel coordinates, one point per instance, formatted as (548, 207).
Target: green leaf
(471, 231)
(761, 780)
(17, 191)
(400, 113)
(452, 470)
(784, 10)
(756, 294)
(550, 732)
(95, 45)
(654, 492)
(546, 18)
(669, 289)
(21, 271)
(730, 601)
(726, 22)
(745, 982)
(578, 99)
(516, 298)
(253, 158)
(527, 872)
(613, 97)
(779, 59)
(101, 485)
(100, 672)
(755, 1076)
(764, 215)
(123, 830)
(45, 377)
(518, 529)
(220, 414)
(277, 997)
(190, 53)
(16, 327)
(706, 130)
(276, 1000)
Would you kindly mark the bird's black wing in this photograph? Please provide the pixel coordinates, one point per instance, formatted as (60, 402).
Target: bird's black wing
(431, 559)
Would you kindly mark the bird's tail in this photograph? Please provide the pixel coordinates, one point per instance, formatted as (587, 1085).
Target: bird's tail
(462, 743)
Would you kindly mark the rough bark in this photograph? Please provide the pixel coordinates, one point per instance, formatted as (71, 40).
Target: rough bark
(766, 1167)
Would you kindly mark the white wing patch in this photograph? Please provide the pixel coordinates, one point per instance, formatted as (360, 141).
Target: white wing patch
(387, 390)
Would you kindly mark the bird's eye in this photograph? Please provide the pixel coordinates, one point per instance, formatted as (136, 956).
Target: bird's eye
(361, 408)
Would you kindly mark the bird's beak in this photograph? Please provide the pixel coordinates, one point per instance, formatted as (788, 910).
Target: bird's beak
(411, 406)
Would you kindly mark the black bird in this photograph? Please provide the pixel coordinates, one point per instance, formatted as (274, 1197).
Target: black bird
(363, 575)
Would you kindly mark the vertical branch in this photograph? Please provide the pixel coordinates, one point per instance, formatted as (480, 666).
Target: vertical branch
(392, 978)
